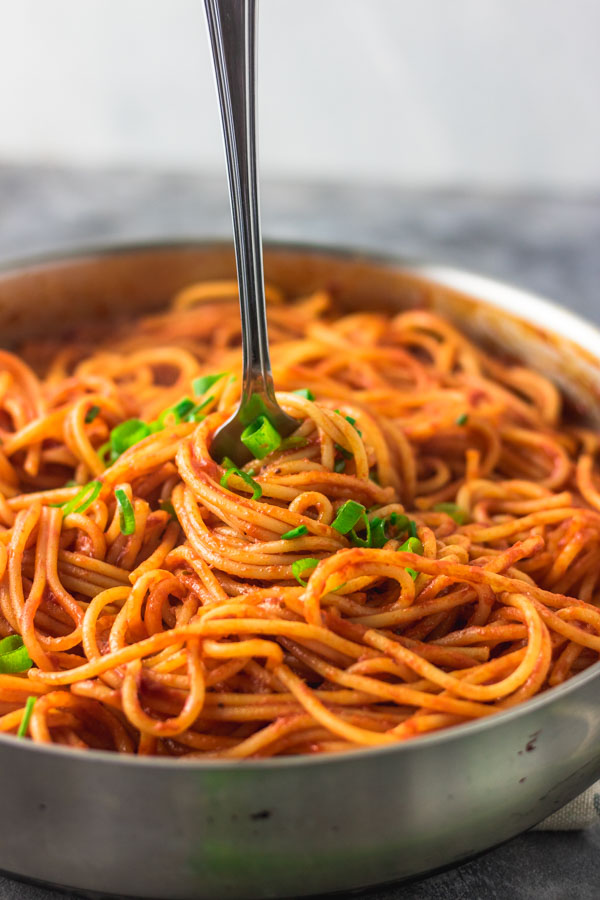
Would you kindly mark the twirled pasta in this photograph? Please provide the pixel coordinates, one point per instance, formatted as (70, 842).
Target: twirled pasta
(189, 631)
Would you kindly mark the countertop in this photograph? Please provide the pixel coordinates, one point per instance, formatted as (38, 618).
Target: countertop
(548, 243)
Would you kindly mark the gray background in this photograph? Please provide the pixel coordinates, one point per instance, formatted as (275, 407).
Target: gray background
(548, 242)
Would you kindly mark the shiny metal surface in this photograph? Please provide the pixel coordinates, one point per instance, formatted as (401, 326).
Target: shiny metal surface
(297, 826)
(232, 31)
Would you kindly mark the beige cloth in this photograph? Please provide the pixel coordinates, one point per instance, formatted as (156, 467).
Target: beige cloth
(582, 812)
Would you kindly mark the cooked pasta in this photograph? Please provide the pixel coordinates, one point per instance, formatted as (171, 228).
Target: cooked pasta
(421, 552)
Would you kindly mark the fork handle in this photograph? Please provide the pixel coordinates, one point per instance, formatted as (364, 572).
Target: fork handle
(232, 30)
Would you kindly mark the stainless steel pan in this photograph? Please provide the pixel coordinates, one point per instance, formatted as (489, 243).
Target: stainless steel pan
(297, 826)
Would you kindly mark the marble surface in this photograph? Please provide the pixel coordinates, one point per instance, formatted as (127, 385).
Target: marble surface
(547, 243)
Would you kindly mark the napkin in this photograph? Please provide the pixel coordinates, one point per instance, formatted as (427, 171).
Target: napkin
(580, 813)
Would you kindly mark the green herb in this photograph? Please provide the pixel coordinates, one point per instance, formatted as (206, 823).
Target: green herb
(462, 419)
(345, 453)
(126, 435)
(339, 465)
(126, 513)
(351, 420)
(460, 516)
(71, 484)
(260, 437)
(14, 657)
(294, 441)
(91, 414)
(204, 382)
(233, 470)
(378, 535)
(300, 531)
(301, 565)
(306, 393)
(168, 507)
(412, 528)
(29, 704)
(412, 545)
(84, 498)
(399, 521)
(348, 516)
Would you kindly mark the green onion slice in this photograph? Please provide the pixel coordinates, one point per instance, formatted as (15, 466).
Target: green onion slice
(460, 516)
(14, 657)
(462, 419)
(126, 435)
(302, 565)
(167, 506)
(412, 545)
(294, 441)
(29, 704)
(348, 516)
(300, 531)
(126, 513)
(260, 437)
(84, 498)
(378, 535)
(233, 470)
(204, 382)
(345, 453)
(339, 466)
(412, 528)
(305, 392)
(91, 414)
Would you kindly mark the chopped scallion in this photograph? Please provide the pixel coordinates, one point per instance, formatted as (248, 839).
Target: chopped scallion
(412, 528)
(204, 382)
(462, 419)
(260, 437)
(14, 657)
(412, 545)
(306, 393)
(233, 470)
(302, 565)
(168, 507)
(126, 513)
(460, 516)
(29, 704)
(348, 516)
(300, 531)
(126, 435)
(91, 414)
(339, 465)
(84, 498)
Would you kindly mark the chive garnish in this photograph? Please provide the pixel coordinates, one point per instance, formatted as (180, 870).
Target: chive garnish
(412, 545)
(91, 414)
(14, 657)
(233, 470)
(462, 419)
(82, 499)
(306, 393)
(260, 437)
(126, 513)
(300, 531)
(301, 565)
(168, 507)
(412, 528)
(204, 382)
(348, 516)
(345, 453)
(339, 465)
(29, 704)
(460, 516)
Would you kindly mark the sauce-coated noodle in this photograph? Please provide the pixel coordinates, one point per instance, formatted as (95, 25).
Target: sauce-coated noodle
(182, 608)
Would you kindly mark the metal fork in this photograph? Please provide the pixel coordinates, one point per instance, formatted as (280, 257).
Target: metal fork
(232, 28)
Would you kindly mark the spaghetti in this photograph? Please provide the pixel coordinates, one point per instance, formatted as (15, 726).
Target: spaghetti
(422, 552)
